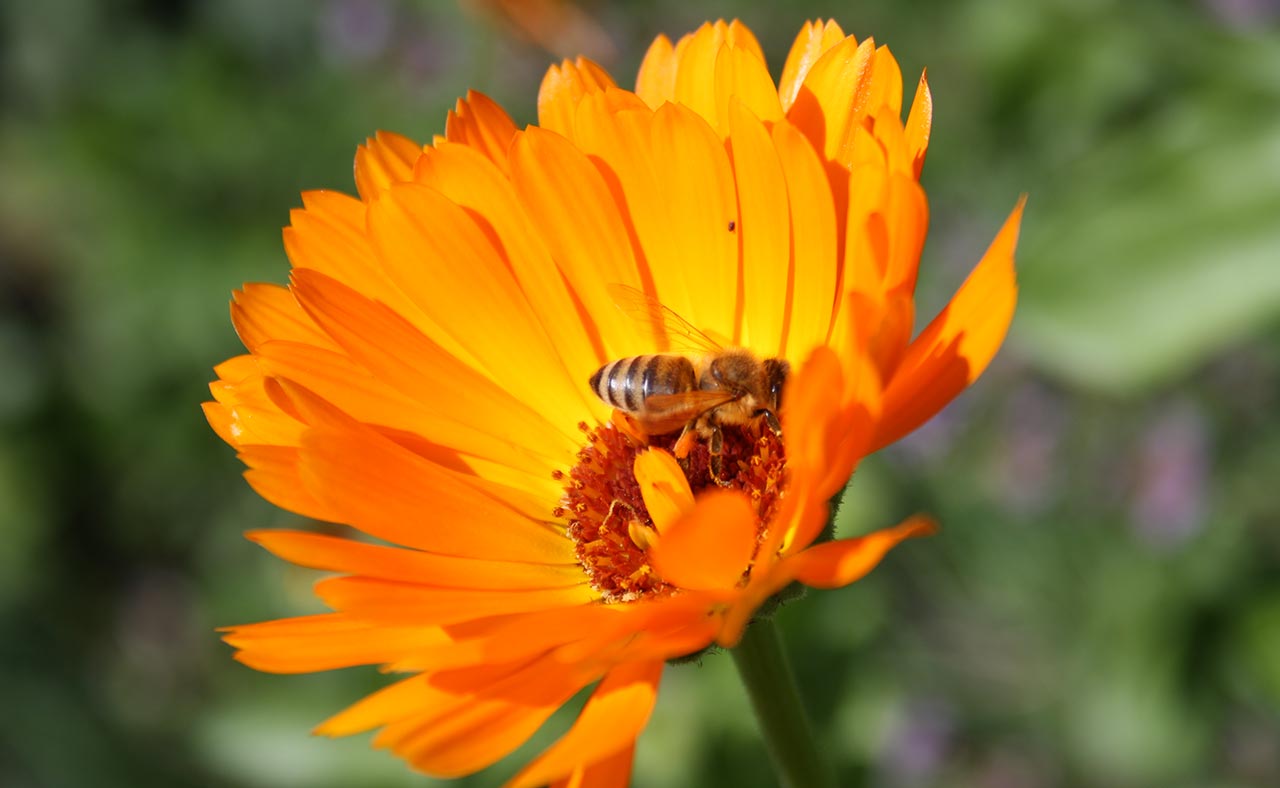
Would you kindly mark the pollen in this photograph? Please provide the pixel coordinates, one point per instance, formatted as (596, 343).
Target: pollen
(605, 512)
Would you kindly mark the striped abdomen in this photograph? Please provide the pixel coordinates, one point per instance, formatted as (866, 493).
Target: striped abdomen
(626, 383)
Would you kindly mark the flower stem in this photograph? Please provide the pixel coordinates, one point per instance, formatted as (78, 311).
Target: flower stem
(766, 673)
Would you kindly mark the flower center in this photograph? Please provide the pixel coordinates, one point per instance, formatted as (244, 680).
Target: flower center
(606, 514)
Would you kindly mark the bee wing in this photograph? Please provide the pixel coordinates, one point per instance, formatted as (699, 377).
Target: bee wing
(652, 313)
(665, 413)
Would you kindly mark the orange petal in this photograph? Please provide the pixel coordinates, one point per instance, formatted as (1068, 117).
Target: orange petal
(473, 409)
(833, 93)
(248, 415)
(740, 36)
(742, 75)
(839, 563)
(886, 224)
(329, 236)
(656, 80)
(764, 232)
(608, 725)
(582, 226)
(919, 121)
(664, 486)
(275, 474)
(885, 89)
(382, 160)
(447, 733)
(407, 603)
(690, 219)
(670, 171)
(482, 125)
(612, 772)
(518, 637)
(411, 566)
(393, 494)
(490, 723)
(220, 419)
(814, 420)
(812, 43)
(812, 280)
(445, 263)
(471, 181)
(410, 697)
(695, 85)
(410, 421)
(709, 548)
(263, 312)
(957, 346)
(328, 641)
(563, 88)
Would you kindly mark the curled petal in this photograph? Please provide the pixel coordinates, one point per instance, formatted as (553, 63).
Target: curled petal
(710, 547)
(607, 726)
(664, 486)
(957, 346)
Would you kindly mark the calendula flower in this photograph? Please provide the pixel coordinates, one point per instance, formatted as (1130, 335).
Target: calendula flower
(424, 380)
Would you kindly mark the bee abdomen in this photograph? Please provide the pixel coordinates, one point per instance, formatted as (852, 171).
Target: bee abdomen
(627, 382)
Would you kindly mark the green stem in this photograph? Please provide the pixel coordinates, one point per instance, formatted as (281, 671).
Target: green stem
(766, 674)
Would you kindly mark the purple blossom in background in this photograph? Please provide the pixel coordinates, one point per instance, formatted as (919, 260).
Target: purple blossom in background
(1026, 467)
(356, 31)
(919, 743)
(1171, 487)
(1244, 14)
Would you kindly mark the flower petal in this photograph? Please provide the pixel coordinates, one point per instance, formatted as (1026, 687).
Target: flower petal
(335, 554)
(611, 772)
(327, 642)
(471, 181)
(764, 232)
(263, 312)
(829, 565)
(563, 88)
(709, 548)
(393, 494)
(656, 80)
(670, 172)
(691, 221)
(841, 562)
(476, 415)
(664, 487)
(812, 280)
(919, 121)
(742, 75)
(566, 197)
(482, 125)
(957, 346)
(812, 43)
(382, 160)
(275, 474)
(608, 725)
(408, 603)
(443, 261)
(833, 93)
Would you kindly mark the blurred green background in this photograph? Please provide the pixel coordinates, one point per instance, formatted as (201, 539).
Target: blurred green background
(1101, 609)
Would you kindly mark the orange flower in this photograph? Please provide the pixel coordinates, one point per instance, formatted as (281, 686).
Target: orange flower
(423, 380)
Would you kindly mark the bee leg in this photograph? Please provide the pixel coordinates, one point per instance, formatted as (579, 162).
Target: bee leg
(684, 445)
(771, 420)
(716, 447)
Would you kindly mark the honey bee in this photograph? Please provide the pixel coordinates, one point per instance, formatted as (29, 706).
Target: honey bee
(716, 387)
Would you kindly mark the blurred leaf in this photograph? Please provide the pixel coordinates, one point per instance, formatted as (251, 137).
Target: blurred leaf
(1165, 249)
(1259, 645)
